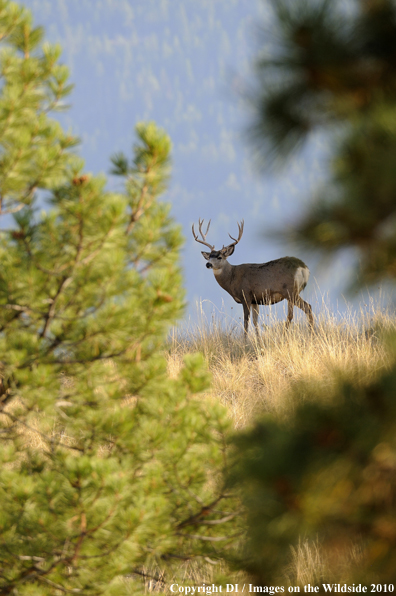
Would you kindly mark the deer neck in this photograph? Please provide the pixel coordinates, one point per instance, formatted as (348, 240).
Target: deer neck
(224, 276)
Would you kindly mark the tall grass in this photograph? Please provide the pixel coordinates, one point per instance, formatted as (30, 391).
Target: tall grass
(252, 374)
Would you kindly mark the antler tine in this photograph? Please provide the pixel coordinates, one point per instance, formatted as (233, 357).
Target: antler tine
(203, 241)
(200, 228)
(240, 230)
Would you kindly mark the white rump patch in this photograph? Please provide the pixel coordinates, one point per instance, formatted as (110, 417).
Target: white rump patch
(301, 278)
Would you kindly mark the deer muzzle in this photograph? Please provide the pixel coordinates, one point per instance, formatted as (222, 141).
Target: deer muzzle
(209, 266)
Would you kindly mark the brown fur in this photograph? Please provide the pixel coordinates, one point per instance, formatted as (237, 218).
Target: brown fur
(254, 284)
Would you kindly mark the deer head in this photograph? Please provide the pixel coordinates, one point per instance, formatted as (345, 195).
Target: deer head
(217, 258)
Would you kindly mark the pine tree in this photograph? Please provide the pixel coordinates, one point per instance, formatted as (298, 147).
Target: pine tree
(109, 469)
(335, 72)
(328, 473)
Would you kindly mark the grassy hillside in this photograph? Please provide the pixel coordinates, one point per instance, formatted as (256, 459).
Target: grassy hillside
(251, 376)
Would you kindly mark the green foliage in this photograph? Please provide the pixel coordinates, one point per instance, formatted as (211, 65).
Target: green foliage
(329, 70)
(34, 149)
(108, 467)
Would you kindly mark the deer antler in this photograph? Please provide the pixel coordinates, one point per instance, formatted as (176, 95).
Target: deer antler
(203, 241)
(240, 230)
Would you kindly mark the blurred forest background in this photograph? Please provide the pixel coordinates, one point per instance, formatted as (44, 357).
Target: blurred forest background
(186, 65)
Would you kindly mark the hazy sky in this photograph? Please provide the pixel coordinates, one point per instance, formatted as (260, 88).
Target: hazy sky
(181, 63)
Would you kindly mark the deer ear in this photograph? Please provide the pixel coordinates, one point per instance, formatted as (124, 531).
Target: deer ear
(227, 251)
(206, 255)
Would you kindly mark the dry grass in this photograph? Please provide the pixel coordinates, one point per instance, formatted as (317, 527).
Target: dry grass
(310, 565)
(253, 375)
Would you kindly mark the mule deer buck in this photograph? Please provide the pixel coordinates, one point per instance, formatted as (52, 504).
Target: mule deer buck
(254, 284)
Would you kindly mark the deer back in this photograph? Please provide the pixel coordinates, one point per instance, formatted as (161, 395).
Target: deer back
(264, 282)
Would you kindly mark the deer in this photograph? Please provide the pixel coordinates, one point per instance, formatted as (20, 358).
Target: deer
(254, 284)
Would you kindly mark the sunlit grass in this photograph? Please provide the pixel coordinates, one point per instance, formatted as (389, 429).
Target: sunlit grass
(310, 565)
(252, 375)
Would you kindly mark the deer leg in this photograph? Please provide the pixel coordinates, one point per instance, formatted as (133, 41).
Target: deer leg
(246, 316)
(290, 306)
(255, 313)
(307, 308)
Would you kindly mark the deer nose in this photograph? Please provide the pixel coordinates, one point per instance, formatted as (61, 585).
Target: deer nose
(209, 266)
